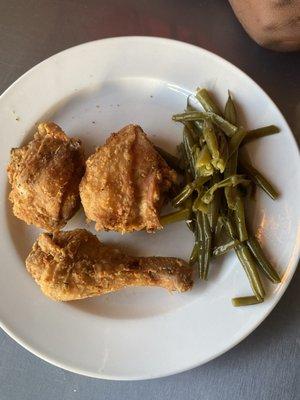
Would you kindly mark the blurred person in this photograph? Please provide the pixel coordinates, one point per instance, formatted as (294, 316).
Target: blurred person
(274, 24)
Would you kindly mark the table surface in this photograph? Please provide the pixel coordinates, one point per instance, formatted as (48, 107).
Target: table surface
(266, 364)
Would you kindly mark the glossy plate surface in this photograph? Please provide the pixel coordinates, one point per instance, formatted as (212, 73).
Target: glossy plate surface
(90, 91)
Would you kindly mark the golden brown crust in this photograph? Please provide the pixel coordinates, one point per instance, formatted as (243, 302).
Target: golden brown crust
(75, 265)
(124, 183)
(45, 176)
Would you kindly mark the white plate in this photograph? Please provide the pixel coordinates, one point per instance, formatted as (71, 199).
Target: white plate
(92, 90)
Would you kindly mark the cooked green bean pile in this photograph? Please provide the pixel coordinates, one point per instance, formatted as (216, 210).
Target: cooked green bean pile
(217, 181)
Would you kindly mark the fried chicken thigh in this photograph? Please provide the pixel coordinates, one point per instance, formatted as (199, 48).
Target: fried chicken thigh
(45, 177)
(125, 181)
(75, 265)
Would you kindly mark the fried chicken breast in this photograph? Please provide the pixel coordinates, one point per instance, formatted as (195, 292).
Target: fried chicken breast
(75, 265)
(125, 181)
(45, 177)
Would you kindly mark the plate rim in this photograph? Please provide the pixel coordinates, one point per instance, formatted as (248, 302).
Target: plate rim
(293, 268)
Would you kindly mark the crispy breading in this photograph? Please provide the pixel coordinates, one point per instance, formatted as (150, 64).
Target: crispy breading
(45, 177)
(125, 182)
(75, 265)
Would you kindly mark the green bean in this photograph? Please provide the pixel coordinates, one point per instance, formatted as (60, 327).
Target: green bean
(231, 166)
(218, 228)
(225, 248)
(183, 195)
(188, 204)
(188, 190)
(236, 140)
(198, 204)
(214, 205)
(199, 128)
(248, 191)
(259, 179)
(184, 162)
(192, 129)
(246, 301)
(207, 102)
(230, 110)
(228, 128)
(239, 215)
(210, 160)
(233, 180)
(230, 191)
(179, 215)
(198, 125)
(199, 237)
(195, 128)
(203, 155)
(220, 163)
(230, 227)
(211, 139)
(200, 181)
(171, 160)
(189, 143)
(194, 254)
(208, 244)
(262, 261)
(261, 132)
(189, 221)
(190, 116)
(190, 224)
(205, 241)
(203, 166)
(249, 265)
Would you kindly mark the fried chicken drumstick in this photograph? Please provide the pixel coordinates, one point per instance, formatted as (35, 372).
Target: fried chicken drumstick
(75, 265)
(45, 177)
(125, 182)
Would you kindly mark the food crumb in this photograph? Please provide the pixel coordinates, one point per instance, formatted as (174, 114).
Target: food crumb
(93, 122)
(17, 118)
(74, 390)
(151, 96)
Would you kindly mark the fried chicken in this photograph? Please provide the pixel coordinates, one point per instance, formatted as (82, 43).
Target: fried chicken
(125, 182)
(45, 177)
(75, 265)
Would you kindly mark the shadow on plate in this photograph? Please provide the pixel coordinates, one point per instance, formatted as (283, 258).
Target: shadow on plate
(135, 303)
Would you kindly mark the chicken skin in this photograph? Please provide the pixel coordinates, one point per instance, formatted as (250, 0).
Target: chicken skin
(125, 182)
(75, 265)
(45, 177)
